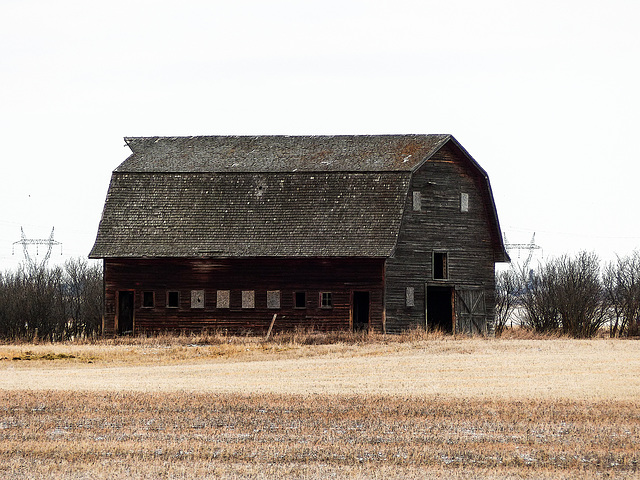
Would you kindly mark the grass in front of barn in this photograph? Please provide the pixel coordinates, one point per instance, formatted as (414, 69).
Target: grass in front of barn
(170, 349)
(71, 435)
(492, 417)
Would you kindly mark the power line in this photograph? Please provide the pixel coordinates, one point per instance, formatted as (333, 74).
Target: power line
(529, 247)
(25, 242)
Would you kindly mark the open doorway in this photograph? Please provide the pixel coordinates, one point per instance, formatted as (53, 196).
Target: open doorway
(440, 308)
(360, 311)
(125, 312)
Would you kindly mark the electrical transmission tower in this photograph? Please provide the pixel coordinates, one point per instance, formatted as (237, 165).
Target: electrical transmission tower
(528, 247)
(25, 242)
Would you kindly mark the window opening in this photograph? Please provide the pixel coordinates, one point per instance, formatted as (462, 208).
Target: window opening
(326, 300)
(417, 201)
(173, 299)
(440, 266)
(148, 300)
(273, 298)
(248, 299)
(300, 299)
(464, 202)
(197, 298)
(222, 299)
(410, 297)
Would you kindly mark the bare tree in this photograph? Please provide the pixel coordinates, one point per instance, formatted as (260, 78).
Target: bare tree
(578, 294)
(83, 297)
(621, 281)
(51, 303)
(539, 310)
(508, 288)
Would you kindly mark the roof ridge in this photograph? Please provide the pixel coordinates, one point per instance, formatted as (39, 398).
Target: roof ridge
(263, 153)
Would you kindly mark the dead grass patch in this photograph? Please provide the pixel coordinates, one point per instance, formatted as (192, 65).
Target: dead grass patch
(313, 405)
(177, 435)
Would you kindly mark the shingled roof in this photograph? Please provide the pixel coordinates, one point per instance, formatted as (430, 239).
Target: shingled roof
(237, 196)
(268, 154)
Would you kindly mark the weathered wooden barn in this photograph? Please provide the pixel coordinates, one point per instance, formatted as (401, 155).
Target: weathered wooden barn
(381, 232)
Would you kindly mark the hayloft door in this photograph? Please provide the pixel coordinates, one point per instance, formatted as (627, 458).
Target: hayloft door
(360, 311)
(125, 312)
(471, 313)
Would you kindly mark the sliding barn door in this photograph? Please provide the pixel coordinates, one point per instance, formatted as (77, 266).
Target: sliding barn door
(471, 311)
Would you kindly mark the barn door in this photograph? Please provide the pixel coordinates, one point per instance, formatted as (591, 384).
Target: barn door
(125, 312)
(360, 311)
(471, 312)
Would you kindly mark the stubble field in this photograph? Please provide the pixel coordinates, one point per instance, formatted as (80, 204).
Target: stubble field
(313, 407)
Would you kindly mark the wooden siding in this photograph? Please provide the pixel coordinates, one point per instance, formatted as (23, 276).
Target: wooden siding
(340, 276)
(441, 225)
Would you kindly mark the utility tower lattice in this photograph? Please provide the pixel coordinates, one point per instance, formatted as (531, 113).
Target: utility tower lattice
(531, 246)
(25, 242)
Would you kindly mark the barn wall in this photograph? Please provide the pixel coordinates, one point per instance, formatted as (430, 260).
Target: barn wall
(341, 277)
(440, 225)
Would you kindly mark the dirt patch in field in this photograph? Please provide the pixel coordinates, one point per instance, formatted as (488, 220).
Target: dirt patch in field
(470, 368)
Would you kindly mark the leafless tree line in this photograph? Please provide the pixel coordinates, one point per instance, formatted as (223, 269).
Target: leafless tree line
(56, 303)
(572, 295)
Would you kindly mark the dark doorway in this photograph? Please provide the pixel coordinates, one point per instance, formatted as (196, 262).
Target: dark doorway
(360, 311)
(440, 308)
(125, 312)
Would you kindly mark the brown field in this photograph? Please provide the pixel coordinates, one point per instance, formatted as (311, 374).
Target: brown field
(314, 406)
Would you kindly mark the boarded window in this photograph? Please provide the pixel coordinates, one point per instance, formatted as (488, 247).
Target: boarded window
(273, 298)
(464, 202)
(417, 201)
(148, 299)
(326, 300)
(173, 299)
(440, 266)
(248, 299)
(300, 299)
(222, 299)
(197, 298)
(410, 297)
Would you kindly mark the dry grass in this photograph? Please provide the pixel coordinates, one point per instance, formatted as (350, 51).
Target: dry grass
(171, 349)
(312, 405)
(558, 368)
(177, 435)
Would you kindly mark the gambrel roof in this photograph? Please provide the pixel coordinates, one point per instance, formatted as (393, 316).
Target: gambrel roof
(242, 196)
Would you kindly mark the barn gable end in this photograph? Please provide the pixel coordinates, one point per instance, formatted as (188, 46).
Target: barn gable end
(446, 250)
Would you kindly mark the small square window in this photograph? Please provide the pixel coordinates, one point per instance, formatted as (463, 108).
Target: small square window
(197, 298)
(410, 297)
(248, 299)
(300, 299)
(326, 300)
(222, 299)
(173, 299)
(273, 298)
(148, 300)
(464, 202)
(440, 266)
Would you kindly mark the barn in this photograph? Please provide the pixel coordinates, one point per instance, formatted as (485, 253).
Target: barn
(350, 232)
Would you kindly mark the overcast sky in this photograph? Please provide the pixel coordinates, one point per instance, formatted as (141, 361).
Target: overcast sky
(544, 95)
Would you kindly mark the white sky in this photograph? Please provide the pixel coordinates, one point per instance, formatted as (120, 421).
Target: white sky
(544, 95)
